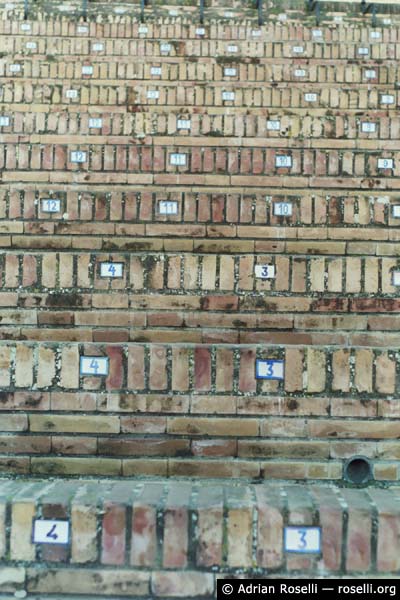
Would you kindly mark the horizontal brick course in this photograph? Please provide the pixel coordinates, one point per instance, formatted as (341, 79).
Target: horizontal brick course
(329, 417)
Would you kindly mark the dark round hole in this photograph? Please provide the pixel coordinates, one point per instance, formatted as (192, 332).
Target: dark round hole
(358, 470)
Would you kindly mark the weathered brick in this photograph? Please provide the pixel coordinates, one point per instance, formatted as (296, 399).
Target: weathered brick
(182, 584)
(113, 534)
(93, 581)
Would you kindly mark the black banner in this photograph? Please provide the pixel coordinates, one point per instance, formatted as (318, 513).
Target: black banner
(319, 589)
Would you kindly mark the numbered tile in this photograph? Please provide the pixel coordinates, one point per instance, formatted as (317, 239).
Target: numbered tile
(396, 211)
(4, 121)
(228, 15)
(310, 97)
(9, 6)
(300, 73)
(95, 123)
(375, 35)
(385, 163)
(270, 369)
(119, 10)
(338, 19)
(153, 94)
(200, 31)
(15, 68)
(297, 49)
(370, 74)
(317, 33)
(256, 32)
(155, 70)
(228, 96)
(230, 72)
(50, 205)
(78, 157)
(82, 29)
(25, 27)
(387, 99)
(396, 278)
(143, 29)
(71, 93)
(98, 47)
(283, 209)
(386, 21)
(173, 13)
(303, 540)
(183, 124)
(111, 269)
(363, 51)
(93, 365)
(167, 207)
(282, 17)
(165, 48)
(87, 70)
(264, 271)
(232, 49)
(31, 45)
(50, 532)
(283, 161)
(178, 160)
(368, 127)
(273, 125)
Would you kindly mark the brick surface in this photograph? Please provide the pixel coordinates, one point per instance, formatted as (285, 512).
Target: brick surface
(184, 325)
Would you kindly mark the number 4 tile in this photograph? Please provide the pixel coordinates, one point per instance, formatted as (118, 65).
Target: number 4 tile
(93, 365)
(50, 532)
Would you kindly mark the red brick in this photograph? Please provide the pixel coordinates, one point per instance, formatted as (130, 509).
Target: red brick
(247, 377)
(331, 519)
(113, 534)
(270, 529)
(358, 548)
(136, 372)
(202, 369)
(115, 377)
(158, 368)
(210, 527)
(176, 527)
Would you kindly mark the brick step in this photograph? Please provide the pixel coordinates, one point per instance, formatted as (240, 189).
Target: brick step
(159, 145)
(315, 305)
(203, 530)
(193, 274)
(202, 182)
(201, 68)
(198, 466)
(109, 72)
(179, 49)
(134, 98)
(149, 410)
(170, 240)
(210, 165)
(109, 324)
(384, 83)
(165, 368)
(204, 51)
(179, 30)
(235, 129)
(201, 330)
(172, 111)
(21, 207)
(201, 52)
